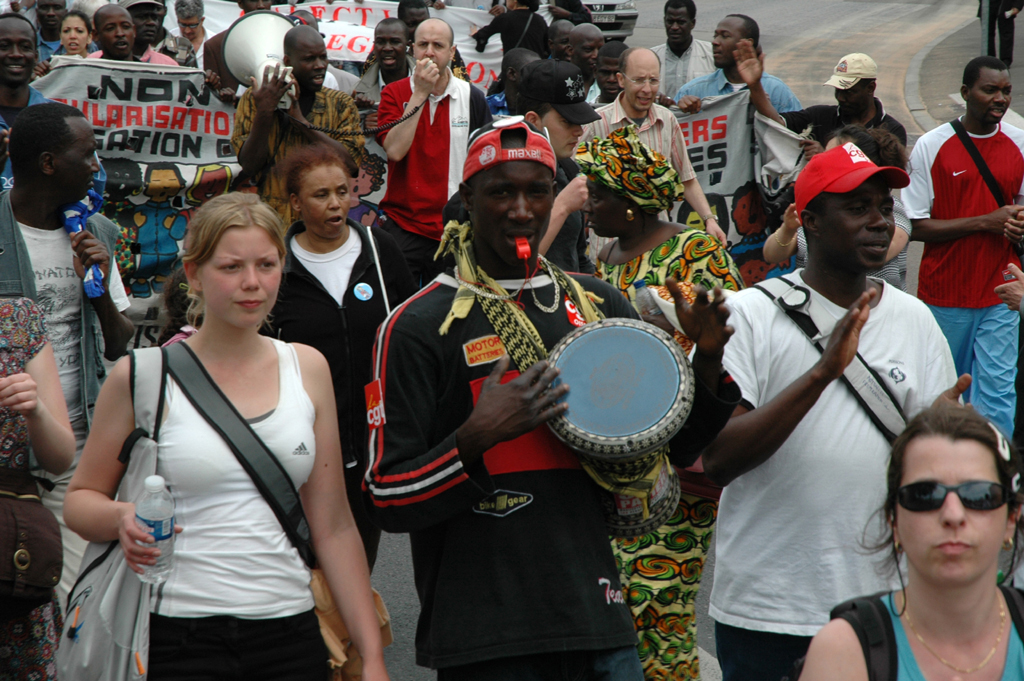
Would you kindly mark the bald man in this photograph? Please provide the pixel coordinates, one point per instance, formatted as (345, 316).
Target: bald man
(585, 41)
(558, 39)
(265, 133)
(426, 152)
(639, 77)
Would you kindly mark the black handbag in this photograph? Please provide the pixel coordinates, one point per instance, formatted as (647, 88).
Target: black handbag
(31, 551)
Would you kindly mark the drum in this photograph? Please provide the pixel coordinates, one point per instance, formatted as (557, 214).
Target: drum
(630, 390)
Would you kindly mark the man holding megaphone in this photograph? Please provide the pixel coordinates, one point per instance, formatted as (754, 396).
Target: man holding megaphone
(265, 133)
(427, 149)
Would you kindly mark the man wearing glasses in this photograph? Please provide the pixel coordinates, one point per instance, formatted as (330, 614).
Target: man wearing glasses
(191, 15)
(640, 77)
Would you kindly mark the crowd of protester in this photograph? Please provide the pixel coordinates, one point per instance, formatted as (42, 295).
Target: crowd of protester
(828, 448)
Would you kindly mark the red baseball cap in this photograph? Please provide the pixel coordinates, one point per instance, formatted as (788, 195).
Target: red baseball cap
(486, 150)
(842, 170)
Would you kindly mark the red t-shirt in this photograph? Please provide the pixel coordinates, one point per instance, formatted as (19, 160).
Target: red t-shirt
(945, 184)
(421, 183)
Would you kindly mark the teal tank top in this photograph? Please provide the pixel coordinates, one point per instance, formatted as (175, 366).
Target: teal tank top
(909, 671)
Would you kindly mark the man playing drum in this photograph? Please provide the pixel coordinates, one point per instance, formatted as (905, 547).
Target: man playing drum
(513, 565)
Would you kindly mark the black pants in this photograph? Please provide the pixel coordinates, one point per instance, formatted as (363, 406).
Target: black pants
(746, 655)
(228, 649)
(418, 251)
(997, 19)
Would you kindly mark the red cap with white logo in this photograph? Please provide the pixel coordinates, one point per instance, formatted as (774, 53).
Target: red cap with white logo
(490, 146)
(842, 170)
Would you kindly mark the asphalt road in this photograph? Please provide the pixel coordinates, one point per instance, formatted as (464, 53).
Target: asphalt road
(802, 41)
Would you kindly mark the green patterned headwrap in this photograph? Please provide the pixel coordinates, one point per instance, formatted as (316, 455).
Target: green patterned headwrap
(630, 168)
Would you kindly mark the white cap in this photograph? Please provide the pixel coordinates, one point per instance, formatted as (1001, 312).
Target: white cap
(155, 483)
(851, 69)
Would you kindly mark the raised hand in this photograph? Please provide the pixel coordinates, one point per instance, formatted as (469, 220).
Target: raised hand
(842, 344)
(268, 94)
(425, 77)
(703, 322)
(748, 62)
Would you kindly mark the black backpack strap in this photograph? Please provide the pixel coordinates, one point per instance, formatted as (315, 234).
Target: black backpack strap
(871, 621)
(259, 462)
(1015, 603)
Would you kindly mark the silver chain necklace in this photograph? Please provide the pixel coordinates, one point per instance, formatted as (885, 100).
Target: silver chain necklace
(484, 293)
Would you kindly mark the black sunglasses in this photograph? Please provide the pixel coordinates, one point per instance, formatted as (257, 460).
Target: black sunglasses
(978, 495)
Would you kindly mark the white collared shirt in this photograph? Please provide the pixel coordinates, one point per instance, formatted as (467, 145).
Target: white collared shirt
(660, 131)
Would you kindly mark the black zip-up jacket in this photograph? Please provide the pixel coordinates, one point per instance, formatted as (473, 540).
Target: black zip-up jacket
(306, 313)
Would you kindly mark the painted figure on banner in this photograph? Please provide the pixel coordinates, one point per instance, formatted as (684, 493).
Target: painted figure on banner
(160, 227)
(367, 188)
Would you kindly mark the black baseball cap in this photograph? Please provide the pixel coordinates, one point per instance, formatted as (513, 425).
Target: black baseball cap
(560, 84)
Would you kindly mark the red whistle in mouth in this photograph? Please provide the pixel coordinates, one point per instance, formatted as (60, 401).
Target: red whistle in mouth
(522, 248)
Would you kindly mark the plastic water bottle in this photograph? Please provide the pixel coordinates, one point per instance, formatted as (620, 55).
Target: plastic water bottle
(154, 513)
(645, 299)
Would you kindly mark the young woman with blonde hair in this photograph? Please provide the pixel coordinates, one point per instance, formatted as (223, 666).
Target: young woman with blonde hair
(237, 603)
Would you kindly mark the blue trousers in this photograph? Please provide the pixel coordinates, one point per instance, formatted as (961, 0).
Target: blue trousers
(984, 344)
(617, 664)
(746, 655)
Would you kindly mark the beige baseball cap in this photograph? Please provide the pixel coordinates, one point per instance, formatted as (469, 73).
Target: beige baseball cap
(851, 69)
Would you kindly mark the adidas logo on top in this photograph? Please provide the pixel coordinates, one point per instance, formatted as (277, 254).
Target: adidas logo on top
(301, 450)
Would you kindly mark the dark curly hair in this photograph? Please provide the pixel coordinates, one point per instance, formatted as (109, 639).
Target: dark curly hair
(176, 303)
(878, 144)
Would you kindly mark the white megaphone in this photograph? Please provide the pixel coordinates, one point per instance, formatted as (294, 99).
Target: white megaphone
(254, 45)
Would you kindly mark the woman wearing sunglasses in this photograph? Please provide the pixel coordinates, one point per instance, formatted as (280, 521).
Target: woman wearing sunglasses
(953, 504)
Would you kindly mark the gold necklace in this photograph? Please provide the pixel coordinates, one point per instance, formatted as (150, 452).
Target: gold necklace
(999, 639)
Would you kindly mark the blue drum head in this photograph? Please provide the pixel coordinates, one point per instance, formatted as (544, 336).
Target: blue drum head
(620, 383)
(630, 388)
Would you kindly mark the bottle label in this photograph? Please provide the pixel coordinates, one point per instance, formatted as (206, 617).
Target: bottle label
(160, 529)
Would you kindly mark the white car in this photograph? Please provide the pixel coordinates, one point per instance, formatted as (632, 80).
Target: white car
(615, 19)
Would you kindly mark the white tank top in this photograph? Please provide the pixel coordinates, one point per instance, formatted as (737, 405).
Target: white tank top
(232, 556)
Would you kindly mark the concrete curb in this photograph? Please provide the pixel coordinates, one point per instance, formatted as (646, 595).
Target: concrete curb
(912, 83)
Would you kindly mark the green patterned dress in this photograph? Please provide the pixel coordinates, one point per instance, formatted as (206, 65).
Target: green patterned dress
(661, 571)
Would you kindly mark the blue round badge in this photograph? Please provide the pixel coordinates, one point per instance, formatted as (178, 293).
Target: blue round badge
(363, 291)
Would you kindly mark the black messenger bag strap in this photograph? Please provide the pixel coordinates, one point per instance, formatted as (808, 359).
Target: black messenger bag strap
(259, 462)
(986, 173)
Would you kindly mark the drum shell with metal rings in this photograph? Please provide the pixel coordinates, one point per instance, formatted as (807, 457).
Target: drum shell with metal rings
(631, 389)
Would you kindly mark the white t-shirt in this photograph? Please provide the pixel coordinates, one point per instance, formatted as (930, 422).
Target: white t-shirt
(790, 532)
(333, 269)
(59, 296)
(232, 556)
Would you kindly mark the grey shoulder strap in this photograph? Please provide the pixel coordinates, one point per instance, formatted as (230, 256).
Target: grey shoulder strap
(148, 381)
(801, 305)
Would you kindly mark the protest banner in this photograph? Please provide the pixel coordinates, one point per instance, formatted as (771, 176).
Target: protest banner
(165, 142)
(348, 30)
(725, 150)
